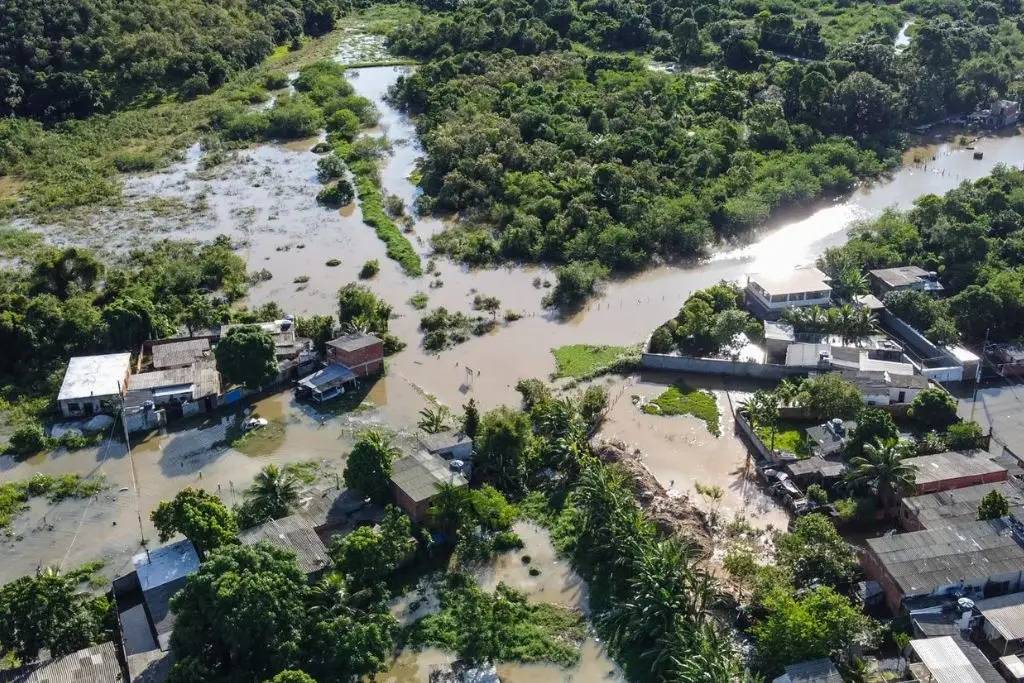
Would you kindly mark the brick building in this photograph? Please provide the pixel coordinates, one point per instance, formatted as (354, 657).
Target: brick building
(362, 353)
(955, 470)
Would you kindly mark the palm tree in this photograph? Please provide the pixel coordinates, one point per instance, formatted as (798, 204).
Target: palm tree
(884, 470)
(763, 411)
(328, 596)
(275, 490)
(787, 391)
(449, 507)
(434, 421)
(863, 324)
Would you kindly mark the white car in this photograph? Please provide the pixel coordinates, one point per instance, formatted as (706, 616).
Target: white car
(254, 423)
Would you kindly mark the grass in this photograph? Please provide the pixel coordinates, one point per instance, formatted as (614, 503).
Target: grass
(262, 441)
(586, 361)
(788, 437)
(332, 263)
(16, 243)
(680, 399)
(371, 203)
(306, 472)
(14, 496)
(419, 300)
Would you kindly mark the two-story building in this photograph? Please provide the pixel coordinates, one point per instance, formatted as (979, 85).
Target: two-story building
(903, 279)
(768, 294)
(361, 352)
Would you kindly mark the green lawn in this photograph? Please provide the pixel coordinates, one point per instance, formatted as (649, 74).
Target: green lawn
(585, 361)
(680, 399)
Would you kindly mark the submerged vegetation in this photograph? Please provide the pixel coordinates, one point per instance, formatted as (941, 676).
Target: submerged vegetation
(680, 399)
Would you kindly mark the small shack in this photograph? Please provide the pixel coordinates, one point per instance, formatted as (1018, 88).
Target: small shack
(97, 664)
(162, 573)
(180, 354)
(448, 445)
(326, 383)
(294, 533)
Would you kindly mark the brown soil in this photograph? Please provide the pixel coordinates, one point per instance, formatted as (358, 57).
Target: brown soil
(673, 515)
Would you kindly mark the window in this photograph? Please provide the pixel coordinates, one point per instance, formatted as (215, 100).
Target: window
(74, 407)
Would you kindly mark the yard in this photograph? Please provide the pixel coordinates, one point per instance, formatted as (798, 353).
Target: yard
(790, 436)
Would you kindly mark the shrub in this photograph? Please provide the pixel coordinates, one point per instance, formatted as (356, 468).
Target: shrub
(301, 279)
(135, 162)
(419, 300)
(338, 194)
(661, 341)
(507, 540)
(512, 316)
(275, 80)
(369, 269)
(534, 571)
(344, 124)
(816, 494)
(330, 167)
(398, 246)
(28, 439)
(333, 262)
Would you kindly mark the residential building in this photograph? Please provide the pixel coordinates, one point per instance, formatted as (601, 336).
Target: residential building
(329, 509)
(977, 560)
(955, 470)
(903, 279)
(954, 507)
(448, 445)
(949, 659)
(414, 481)
(162, 572)
(1002, 622)
(829, 439)
(97, 664)
(768, 294)
(884, 388)
(176, 387)
(90, 381)
(294, 533)
(816, 470)
(1003, 113)
(287, 344)
(1008, 359)
(1012, 668)
(811, 671)
(180, 353)
(361, 352)
(327, 383)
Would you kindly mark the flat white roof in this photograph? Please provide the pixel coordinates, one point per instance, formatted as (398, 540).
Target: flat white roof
(963, 355)
(792, 282)
(945, 661)
(1013, 665)
(90, 376)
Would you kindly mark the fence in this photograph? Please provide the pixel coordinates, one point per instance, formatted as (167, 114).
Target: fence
(717, 366)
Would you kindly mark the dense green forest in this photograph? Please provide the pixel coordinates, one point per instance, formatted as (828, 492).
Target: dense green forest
(550, 151)
(973, 237)
(74, 58)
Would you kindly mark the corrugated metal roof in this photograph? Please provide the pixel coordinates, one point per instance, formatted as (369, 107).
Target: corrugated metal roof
(1005, 613)
(443, 440)
(922, 561)
(814, 671)
(294, 533)
(945, 661)
(96, 664)
(330, 507)
(419, 474)
(948, 508)
(166, 564)
(901, 276)
(354, 341)
(179, 353)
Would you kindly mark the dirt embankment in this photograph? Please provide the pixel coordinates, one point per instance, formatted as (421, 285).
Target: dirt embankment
(675, 515)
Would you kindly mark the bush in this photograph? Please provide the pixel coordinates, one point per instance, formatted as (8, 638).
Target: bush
(398, 246)
(330, 167)
(275, 80)
(28, 439)
(661, 341)
(933, 409)
(293, 119)
(816, 494)
(534, 571)
(419, 300)
(337, 194)
(344, 124)
(964, 436)
(135, 162)
(333, 262)
(369, 269)
(507, 540)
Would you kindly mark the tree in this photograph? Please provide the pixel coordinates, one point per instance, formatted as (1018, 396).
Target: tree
(933, 408)
(820, 623)
(318, 328)
(993, 505)
(242, 613)
(592, 405)
(247, 356)
(292, 676)
(369, 465)
(763, 413)
(274, 490)
(830, 396)
(964, 436)
(873, 425)
(435, 420)
(367, 556)
(450, 507)
(470, 418)
(576, 282)
(491, 304)
(351, 646)
(504, 449)
(199, 516)
(882, 468)
(46, 611)
(815, 553)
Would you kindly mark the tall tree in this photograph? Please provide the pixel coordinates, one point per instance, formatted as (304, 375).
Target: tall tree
(369, 465)
(435, 420)
(470, 418)
(933, 408)
(815, 553)
(247, 355)
(504, 449)
(884, 470)
(199, 516)
(274, 490)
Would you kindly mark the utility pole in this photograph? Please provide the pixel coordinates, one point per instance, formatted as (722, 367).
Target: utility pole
(977, 374)
(131, 466)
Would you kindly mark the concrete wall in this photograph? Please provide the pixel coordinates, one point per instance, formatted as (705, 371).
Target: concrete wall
(145, 420)
(716, 366)
(961, 482)
(750, 436)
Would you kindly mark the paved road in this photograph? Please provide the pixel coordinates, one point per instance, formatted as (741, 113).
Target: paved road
(1000, 406)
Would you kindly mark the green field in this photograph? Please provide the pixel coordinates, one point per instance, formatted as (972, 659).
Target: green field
(585, 361)
(680, 399)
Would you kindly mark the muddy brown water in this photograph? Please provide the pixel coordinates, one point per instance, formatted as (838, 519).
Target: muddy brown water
(264, 199)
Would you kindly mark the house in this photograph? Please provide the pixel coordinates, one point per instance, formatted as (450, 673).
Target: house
(414, 481)
(198, 382)
(1002, 622)
(1008, 359)
(954, 507)
(768, 294)
(1003, 113)
(811, 671)
(979, 559)
(327, 382)
(329, 509)
(361, 352)
(903, 279)
(97, 664)
(448, 445)
(1012, 668)
(294, 533)
(829, 439)
(884, 388)
(948, 659)
(162, 572)
(92, 380)
(954, 470)
(180, 353)
(815, 470)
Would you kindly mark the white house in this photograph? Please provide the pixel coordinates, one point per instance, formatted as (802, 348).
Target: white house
(91, 380)
(883, 388)
(775, 292)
